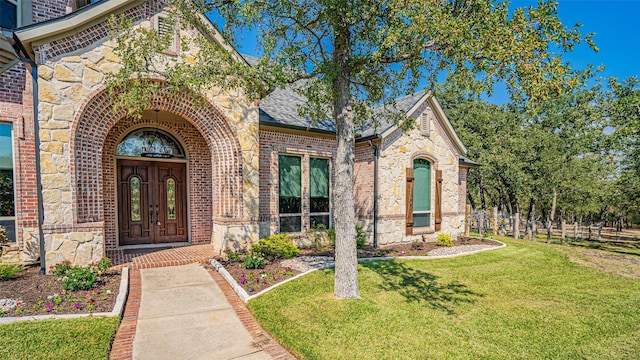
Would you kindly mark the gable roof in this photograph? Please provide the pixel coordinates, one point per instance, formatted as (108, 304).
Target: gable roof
(90, 15)
(280, 108)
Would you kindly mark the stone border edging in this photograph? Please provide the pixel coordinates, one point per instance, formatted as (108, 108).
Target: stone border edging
(117, 308)
(246, 297)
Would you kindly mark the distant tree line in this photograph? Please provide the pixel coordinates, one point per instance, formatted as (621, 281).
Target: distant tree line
(574, 157)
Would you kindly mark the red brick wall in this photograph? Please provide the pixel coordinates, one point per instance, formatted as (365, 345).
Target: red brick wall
(12, 85)
(199, 172)
(273, 143)
(49, 9)
(14, 92)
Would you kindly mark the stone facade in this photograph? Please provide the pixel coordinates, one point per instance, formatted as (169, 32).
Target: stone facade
(397, 152)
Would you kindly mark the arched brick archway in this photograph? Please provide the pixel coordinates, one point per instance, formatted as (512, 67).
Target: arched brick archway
(96, 119)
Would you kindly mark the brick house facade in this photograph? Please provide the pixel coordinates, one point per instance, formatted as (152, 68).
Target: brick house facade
(226, 186)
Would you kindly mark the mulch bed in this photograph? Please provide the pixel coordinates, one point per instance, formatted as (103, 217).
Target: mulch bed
(419, 248)
(32, 290)
(256, 280)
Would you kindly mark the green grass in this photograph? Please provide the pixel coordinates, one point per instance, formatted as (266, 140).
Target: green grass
(525, 301)
(80, 338)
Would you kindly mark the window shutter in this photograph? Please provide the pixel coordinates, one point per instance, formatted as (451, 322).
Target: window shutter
(409, 194)
(438, 216)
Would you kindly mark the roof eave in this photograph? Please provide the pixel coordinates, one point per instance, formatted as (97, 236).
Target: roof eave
(8, 57)
(447, 126)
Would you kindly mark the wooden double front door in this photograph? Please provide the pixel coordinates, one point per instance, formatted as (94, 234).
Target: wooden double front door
(152, 202)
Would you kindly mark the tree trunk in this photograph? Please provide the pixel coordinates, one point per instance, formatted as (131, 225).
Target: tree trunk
(483, 202)
(516, 226)
(530, 219)
(346, 278)
(467, 212)
(471, 202)
(495, 220)
(563, 231)
(551, 215)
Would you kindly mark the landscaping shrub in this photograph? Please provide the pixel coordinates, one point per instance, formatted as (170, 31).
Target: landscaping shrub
(332, 236)
(3, 235)
(275, 246)
(253, 261)
(361, 237)
(101, 266)
(78, 278)
(60, 269)
(236, 256)
(9, 271)
(444, 239)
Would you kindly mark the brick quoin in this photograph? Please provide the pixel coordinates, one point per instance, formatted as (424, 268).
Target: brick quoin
(16, 99)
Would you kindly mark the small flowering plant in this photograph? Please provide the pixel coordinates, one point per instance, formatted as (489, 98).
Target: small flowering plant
(61, 268)
(236, 255)
(261, 279)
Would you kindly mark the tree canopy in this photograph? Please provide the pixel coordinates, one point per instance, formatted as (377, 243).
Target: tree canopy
(358, 54)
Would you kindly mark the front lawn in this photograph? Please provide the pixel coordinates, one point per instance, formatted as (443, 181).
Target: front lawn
(81, 338)
(525, 301)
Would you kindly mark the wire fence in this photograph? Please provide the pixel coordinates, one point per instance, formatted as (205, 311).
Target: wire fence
(489, 222)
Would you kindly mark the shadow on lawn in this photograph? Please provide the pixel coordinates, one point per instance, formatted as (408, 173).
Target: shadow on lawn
(420, 286)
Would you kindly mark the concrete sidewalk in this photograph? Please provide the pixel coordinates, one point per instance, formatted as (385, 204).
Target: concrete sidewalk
(184, 315)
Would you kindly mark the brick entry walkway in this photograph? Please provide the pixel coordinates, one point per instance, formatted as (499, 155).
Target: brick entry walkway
(150, 258)
(122, 347)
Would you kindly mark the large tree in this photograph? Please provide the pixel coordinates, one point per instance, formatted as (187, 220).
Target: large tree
(360, 53)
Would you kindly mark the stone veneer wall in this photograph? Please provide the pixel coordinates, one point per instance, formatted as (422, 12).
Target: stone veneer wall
(397, 153)
(75, 117)
(273, 143)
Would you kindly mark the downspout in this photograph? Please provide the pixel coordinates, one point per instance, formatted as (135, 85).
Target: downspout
(376, 154)
(36, 129)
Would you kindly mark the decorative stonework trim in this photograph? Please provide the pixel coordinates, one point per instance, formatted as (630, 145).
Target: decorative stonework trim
(232, 221)
(424, 155)
(85, 227)
(392, 217)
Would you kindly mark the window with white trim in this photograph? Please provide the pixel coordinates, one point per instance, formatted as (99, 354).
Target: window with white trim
(7, 196)
(421, 193)
(290, 193)
(319, 190)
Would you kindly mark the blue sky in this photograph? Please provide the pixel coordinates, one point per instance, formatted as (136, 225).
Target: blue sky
(616, 24)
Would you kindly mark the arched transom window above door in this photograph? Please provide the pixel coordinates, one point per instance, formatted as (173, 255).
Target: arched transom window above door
(151, 143)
